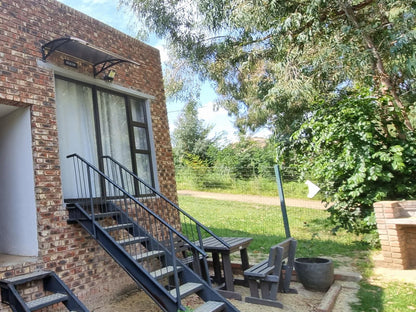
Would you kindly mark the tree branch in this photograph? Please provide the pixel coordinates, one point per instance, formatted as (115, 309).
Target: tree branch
(380, 71)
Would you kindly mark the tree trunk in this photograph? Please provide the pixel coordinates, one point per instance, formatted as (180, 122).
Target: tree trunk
(380, 72)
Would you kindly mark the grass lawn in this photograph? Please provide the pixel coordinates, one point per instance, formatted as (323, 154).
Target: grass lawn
(315, 238)
(265, 225)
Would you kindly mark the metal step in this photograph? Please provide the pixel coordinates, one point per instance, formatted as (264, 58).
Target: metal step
(103, 215)
(133, 240)
(148, 255)
(159, 279)
(164, 272)
(187, 289)
(210, 306)
(118, 227)
(46, 301)
(22, 279)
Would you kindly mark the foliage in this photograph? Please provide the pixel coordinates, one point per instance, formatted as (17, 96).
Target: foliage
(248, 158)
(269, 59)
(191, 142)
(357, 154)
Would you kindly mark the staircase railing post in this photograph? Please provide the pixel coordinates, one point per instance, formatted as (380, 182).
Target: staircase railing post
(175, 270)
(206, 269)
(91, 200)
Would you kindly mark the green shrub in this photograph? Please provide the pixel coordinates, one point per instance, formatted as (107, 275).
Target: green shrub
(358, 156)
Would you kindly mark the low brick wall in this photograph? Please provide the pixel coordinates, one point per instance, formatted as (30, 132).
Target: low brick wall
(396, 224)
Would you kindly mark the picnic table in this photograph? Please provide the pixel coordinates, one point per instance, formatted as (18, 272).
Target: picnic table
(215, 247)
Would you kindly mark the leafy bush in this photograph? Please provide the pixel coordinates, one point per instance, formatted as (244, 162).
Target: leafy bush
(357, 155)
(248, 158)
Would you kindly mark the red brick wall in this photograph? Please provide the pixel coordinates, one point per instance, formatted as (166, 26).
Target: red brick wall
(397, 232)
(24, 26)
(411, 246)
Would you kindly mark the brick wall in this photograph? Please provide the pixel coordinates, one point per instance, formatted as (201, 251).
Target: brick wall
(24, 26)
(396, 226)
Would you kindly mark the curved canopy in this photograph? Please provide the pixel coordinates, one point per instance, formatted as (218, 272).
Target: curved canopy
(100, 58)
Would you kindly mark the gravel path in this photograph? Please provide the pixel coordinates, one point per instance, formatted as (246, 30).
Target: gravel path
(265, 200)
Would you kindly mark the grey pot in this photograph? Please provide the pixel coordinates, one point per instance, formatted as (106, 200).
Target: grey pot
(315, 274)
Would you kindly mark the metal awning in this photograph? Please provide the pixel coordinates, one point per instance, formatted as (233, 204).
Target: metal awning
(99, 58)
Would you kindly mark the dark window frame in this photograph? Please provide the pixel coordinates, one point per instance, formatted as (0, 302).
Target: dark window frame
(130, 126)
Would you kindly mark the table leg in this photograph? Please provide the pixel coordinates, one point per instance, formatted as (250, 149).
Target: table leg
(244, 259)
(228, 273)
(217, 267)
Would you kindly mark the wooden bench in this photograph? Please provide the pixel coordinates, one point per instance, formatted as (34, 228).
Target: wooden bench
(268, 274)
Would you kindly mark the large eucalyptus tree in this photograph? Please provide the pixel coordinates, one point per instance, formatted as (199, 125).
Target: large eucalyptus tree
(270, 58)
(288, 64)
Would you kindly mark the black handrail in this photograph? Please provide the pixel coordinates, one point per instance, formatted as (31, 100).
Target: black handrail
(139, 185)
(97, 189)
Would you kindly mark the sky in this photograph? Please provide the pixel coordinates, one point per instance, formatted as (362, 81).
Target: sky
(109, 12)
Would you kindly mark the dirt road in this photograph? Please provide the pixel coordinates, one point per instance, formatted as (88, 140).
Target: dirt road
(265, 200)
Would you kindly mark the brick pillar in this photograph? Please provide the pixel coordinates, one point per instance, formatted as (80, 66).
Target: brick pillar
(392, 235)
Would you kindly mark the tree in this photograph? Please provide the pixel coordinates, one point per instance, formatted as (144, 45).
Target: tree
(248, 158)
(355, 156)
(287, 64)
(270, 59)
(190, 138)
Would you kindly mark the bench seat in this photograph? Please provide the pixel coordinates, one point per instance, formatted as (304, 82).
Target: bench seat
(267, 276)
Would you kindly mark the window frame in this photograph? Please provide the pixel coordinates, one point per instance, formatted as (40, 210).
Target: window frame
(128, 98)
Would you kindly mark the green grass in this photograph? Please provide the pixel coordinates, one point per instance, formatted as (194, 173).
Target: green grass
(265, 224)
(388, 297)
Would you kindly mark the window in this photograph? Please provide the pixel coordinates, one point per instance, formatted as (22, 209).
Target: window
(141, 147)
(94, 122)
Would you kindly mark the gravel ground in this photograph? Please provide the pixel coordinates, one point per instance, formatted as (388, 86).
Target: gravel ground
(302, 302)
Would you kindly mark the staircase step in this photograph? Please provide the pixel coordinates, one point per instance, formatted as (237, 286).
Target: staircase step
(22, 279)
(103, 215)
(210, 306)
(187, 289)
(163, 272)
(46, 301)
(118, 227)
(133, 240)
(148, 255)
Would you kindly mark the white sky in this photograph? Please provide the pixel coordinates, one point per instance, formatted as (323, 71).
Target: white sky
(108, 12)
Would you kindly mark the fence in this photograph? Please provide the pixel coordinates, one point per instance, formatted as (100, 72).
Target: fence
(258, 204)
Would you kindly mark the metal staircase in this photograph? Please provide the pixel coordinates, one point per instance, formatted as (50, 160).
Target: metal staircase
(166, 264)
(55, 292)
(194, 230)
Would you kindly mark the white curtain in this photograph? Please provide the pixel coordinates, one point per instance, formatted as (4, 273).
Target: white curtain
(114, 128)
(75, 121)
(143, 167)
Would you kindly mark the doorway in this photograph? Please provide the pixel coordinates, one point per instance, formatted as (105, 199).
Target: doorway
(18, 224)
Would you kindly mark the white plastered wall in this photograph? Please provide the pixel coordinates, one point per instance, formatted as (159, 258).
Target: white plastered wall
(18, 224)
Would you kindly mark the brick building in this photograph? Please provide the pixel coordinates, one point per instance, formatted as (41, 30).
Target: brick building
(54, 102)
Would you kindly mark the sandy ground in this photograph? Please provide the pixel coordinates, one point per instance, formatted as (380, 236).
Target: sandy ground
(304, 301)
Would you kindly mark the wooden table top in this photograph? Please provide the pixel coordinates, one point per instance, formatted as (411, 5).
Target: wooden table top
(211, 244)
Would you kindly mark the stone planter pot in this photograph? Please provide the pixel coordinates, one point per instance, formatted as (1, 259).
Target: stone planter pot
(315, 273)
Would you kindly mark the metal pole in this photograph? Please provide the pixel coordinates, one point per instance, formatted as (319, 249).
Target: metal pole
(282, 200)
